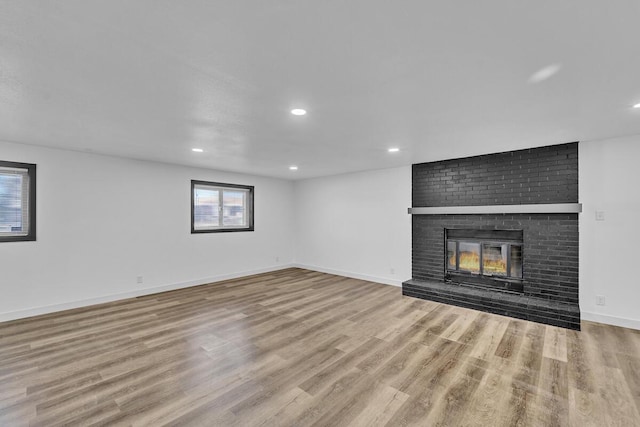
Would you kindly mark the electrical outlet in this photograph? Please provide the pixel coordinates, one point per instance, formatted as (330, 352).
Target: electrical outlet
(600, 300)
(599, 215)
(392, 270)
(277, 259)
(139, 279)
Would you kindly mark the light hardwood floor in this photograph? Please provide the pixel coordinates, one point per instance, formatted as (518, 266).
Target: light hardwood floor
(298, 348)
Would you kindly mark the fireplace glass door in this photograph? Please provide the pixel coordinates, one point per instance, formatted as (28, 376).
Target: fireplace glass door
(494, 259)
(469, 257)
(485, 257)
(516, 261)
(452, 255)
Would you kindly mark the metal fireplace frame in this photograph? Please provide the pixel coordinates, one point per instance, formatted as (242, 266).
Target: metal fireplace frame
(497, 237)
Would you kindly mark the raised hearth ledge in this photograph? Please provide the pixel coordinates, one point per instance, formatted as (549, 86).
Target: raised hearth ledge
(520, 306)
(499, 209)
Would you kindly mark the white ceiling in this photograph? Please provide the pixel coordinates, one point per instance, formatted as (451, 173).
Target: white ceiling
(151, 79)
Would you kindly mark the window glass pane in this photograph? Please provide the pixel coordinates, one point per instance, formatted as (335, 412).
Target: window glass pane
(12, 203)
(206, 209)
(233, 203)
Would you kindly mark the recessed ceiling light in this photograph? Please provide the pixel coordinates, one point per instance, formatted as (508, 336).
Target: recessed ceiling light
(298, 112)
(393, 150)
(293, 168)
(544, 73)
(637, 105)
(197, 150)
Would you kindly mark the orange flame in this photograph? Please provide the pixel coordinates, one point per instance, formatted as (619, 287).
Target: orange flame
(494, 266)
(470, 261)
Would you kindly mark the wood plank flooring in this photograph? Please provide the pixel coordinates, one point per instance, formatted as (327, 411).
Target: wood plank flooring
(302, 348)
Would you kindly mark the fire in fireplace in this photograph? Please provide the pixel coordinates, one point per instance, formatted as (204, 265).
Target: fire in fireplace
(490, 258)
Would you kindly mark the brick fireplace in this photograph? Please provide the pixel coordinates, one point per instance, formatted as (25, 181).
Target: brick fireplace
(499, 233)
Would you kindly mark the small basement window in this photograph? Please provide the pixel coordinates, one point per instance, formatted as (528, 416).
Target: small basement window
(17, 201)
(217, 207)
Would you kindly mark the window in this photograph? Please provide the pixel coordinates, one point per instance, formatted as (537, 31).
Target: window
(17, 201)
(217, 207)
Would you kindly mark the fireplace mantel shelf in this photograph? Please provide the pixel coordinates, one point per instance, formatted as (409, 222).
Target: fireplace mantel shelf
(542, 208)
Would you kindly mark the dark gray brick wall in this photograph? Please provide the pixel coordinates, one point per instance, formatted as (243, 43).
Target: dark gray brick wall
(550, 249)
(537, 175)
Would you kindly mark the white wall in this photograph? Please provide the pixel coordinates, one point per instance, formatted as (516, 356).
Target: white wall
(103, 221)
(610, 249)
(356, 224)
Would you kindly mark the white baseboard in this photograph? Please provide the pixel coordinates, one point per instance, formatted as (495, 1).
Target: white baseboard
(610, 320)
(35, 311)
(376, 279)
